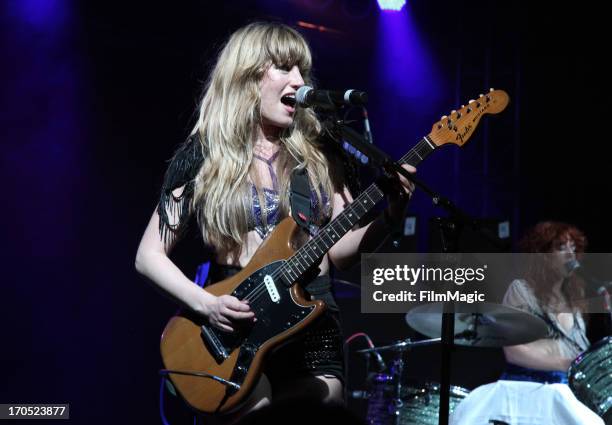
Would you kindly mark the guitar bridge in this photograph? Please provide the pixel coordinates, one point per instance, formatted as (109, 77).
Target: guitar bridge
(243, 363)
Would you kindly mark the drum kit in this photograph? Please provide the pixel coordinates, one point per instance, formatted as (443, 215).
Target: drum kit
(590, 378)
(395, 400)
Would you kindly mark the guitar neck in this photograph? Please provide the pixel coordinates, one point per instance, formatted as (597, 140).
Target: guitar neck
(315, 249)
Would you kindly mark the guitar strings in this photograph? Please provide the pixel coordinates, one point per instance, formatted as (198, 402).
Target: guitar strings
(260, 288)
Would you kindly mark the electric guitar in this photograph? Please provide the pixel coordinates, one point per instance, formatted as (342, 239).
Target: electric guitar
(215, 371)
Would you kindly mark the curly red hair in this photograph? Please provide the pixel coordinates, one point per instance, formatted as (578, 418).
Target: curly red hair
(543, 238)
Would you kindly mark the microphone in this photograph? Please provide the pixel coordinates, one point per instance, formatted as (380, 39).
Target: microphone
(306, 96)
(574, 266)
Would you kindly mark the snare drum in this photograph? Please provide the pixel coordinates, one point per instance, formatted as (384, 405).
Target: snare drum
(590, 378)
(420, 404)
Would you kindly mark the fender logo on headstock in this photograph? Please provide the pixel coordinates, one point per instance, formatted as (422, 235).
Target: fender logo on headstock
(465, 133)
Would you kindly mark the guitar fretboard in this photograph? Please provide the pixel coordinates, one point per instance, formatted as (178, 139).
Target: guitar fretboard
(312, 252)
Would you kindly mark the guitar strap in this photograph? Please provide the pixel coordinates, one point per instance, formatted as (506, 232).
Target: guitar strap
(299, 198)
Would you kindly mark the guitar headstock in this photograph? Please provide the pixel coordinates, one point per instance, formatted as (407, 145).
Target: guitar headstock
(459, 125)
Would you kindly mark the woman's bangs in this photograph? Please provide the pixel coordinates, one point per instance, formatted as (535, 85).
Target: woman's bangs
(287, 49)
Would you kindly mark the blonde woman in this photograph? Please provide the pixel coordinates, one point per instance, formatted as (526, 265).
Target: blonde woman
(233, 175)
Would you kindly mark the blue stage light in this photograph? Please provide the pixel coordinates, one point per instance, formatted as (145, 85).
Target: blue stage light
(391, 5)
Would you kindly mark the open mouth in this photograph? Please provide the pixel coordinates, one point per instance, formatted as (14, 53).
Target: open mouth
(289, 100)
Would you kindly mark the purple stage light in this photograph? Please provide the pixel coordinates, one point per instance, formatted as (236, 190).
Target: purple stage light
(391, 5)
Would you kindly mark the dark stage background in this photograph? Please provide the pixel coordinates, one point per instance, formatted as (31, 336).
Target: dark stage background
(95, 97)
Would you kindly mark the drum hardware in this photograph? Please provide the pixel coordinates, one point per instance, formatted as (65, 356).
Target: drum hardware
(590, 378)
(392, 402)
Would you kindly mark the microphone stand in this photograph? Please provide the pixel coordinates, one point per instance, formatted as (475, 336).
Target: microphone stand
(603, 291)
(600, 288)
(605, 294)
(379, 159)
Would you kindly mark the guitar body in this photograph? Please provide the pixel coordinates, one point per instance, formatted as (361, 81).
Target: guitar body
(189, 344)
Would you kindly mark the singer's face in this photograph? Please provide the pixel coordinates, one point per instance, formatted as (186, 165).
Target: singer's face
(277, 93)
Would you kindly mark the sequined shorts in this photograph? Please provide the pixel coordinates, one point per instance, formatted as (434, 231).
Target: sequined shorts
(318, 351)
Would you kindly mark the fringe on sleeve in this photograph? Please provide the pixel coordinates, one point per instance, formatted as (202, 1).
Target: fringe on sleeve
(182, 171)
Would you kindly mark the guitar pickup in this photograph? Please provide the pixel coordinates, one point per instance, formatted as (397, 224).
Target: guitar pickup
(271, 288)
(216, 347)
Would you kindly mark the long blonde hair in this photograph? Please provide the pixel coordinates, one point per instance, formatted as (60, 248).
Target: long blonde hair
(228, 118)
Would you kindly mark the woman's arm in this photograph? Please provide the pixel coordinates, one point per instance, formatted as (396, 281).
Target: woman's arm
(152, 261)
(541, 355)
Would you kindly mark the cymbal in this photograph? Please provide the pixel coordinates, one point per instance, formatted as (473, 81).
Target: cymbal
(404, 345)
(480, 325)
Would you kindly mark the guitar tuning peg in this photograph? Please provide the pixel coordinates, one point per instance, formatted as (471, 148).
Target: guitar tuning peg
(453, 111)
(471, 101)
(462, 106)
(491, 89)
(443, 118)
(481, 95)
